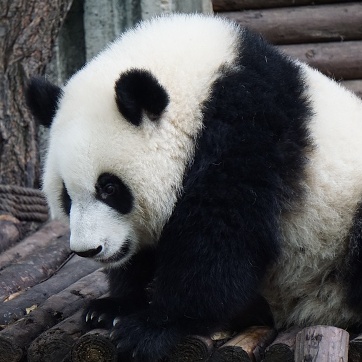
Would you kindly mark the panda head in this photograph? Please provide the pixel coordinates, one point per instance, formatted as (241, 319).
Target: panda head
(124, 128)
(89, 171)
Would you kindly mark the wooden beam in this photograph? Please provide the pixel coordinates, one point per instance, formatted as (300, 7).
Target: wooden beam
(192, 348)
(30, 245)
(234, 5)
(322, 344)
(282, 348)
(247, 346)
(94, 346)
(16, 338)
(354, 85)
(338, 60)
(75, 269)
(307, 24)
(34, 268)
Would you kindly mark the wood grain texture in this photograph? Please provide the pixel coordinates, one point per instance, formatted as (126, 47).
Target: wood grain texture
(306, 24)
(341, 60)
(232, 5)
(322, 344)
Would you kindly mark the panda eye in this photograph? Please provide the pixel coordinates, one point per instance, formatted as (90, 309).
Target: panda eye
(109, 189)
(112, 191)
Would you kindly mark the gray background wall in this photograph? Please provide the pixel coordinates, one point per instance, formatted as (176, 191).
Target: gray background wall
(91, 24)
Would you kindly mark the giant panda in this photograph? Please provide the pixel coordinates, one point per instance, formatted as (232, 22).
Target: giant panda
(208, 172)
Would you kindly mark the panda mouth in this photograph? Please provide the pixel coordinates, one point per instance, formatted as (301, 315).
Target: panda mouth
(119, 255)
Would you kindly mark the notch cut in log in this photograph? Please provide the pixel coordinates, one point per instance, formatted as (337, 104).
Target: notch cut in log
(322, 344)
(307, 24)
(247, 346)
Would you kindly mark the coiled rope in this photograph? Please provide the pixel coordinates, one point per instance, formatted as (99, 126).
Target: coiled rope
(26, 204)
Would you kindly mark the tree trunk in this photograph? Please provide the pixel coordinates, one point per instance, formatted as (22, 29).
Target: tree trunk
(28, 29)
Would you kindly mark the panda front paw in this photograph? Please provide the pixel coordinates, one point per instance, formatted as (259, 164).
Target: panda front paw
(143, 337)
(100, 313)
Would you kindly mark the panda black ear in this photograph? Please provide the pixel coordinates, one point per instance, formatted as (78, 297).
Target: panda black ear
(42, 99)
(138, 91)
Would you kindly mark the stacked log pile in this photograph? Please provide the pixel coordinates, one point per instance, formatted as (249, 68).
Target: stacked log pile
(326, 34)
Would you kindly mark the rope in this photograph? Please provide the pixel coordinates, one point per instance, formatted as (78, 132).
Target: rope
(26, 204)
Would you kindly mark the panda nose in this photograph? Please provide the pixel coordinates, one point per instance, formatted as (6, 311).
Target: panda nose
(89, 253)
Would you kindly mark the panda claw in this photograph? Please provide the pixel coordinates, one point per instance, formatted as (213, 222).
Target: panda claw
(87, 317)
(93, 315)
(116, 321)
(112, 335)
(102, 317)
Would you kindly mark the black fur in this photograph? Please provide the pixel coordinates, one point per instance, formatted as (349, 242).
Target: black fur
(129, 289)
(42, 99)
(353, 267)
(66, 201)
(111, 190)
(225, 231)
(139, 91)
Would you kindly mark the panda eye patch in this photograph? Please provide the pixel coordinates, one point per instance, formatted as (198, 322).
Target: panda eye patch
(111, 190)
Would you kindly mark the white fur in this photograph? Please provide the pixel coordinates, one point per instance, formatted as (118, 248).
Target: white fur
(89, 135)
(302, 288)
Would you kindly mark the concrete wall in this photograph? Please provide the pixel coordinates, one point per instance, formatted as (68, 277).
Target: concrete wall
(91, 24)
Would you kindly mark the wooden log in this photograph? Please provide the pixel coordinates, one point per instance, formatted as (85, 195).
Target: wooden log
(30, 245)
(192, 348)
(282, 348)
(232, 5)
(307, 24)
(246, 346)
(322, 344)
(75, 269)
(354, 85)
(355, 349)
(56, 343)
(34, 268)
(18, 336)
(339, 60)
(94, 346)
(9, 232)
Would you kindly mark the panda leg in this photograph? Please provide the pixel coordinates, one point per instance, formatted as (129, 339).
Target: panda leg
(199, 289)
(128, 291)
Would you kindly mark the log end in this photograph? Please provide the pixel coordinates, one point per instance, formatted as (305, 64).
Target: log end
(230, 354)
(190, 349)
(93, 348)
(9, 350)
(279, 352)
